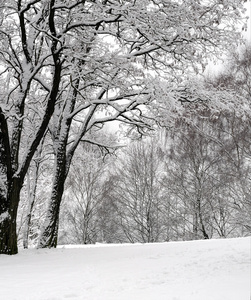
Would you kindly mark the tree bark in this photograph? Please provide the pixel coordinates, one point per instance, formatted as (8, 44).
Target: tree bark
(31, 200)
(9, 193)
(49, 233)
(31, 191)
(8, 214)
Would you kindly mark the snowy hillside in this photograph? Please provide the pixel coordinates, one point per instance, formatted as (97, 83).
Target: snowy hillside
(197, 270)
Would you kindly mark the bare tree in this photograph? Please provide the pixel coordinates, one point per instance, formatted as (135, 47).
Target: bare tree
(206, 160)
(235, 76)
(79, 215)
(134, 187)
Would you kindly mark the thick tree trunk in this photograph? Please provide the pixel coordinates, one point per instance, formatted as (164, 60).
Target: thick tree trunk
(8, 215)
(8, 236)
(9, 194)
(49, 233)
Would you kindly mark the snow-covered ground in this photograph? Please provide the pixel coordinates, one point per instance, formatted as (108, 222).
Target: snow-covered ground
(197, 270)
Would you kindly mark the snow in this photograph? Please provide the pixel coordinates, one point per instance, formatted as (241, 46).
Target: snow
(4, 216)
(196, 270)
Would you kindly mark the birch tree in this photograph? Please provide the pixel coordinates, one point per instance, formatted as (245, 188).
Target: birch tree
(83, 57)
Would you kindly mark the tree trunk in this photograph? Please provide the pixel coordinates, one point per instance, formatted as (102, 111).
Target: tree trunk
(203, 229)
(8, 239)
(27, 223)
(31, 191)
(8, 215)
(195, 225)
(9, 193)
(49, 233)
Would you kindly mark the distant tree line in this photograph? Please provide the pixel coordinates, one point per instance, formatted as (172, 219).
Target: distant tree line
(192, 182)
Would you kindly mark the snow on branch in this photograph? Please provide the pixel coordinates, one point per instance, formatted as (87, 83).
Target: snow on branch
(4, 216)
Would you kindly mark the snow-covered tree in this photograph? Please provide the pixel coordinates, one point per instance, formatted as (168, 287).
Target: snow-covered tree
(28, 50)
(86, 58)
(123, 46)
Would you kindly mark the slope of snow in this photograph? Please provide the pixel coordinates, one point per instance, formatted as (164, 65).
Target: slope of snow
(197, 270)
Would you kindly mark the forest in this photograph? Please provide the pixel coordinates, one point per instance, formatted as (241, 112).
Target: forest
(112, 129)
